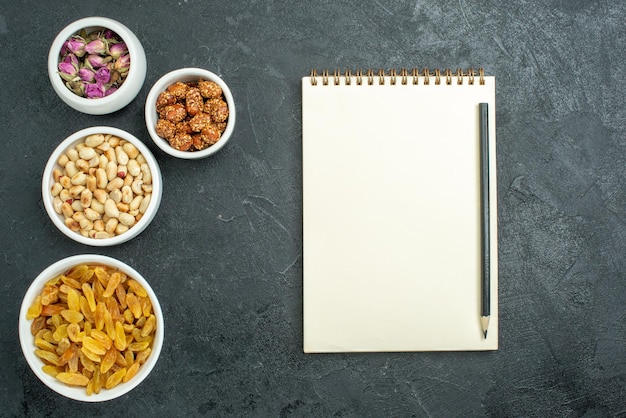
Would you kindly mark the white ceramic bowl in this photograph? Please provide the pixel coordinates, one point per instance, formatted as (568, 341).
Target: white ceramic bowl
(59, 219)
(27, 340)
(185, 75)
(129, 88)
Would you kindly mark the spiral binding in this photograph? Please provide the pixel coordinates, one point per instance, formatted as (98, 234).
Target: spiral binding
(369, 76)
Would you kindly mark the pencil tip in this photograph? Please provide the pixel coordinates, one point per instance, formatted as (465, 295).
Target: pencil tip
(484, 321)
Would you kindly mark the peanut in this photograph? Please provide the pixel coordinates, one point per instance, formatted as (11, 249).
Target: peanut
(102, 186)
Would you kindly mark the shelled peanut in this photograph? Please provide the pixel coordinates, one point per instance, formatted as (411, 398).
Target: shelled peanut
(93, 326)
(103, 186)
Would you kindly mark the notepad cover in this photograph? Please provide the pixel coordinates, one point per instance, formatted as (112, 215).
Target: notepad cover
(391, 216)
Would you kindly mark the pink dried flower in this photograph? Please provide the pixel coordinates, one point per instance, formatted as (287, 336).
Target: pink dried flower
(123, 63)
(97, 46)
(103, 75)
(67, 71)
(110, 91)
(94, 90)
(116, 50)
(86, 74)
(95, 64)
(76, 45)
(110, 35)
(97, 61)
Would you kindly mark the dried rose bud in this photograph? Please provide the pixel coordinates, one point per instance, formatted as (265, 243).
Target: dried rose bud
(71, 58)
(110, 91)
(94, 64)
(76, 45)
(77, 87)
(67, 71)
(110, 35)
(97, 46)
(123, 63)
(117, 50)
(86, 74)
(115, 76)
(97, 61)
(103, 75)
(94, 90)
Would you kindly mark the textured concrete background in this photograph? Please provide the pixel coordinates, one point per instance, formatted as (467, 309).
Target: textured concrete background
(224, 251)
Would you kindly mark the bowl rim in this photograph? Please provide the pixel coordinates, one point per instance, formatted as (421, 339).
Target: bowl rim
(155, 200)
(27, 341)
(188, 74)
(134, 79)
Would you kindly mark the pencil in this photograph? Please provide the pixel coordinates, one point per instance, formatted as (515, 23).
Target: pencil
(484, 197)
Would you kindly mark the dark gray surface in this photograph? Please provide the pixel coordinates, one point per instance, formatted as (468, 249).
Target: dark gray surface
(224, 251)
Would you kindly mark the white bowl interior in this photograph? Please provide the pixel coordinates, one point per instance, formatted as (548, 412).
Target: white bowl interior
(185, 75)
(27, 340)
(59, 219)
(127, 91)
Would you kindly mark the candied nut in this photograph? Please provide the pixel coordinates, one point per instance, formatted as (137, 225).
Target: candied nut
(165, 129)
(183, 127)
(178, 89)
(210, 135)
(218, 109)
(200, 121)
(194, 101)
(209, 89)
(221, 126)
(197, 108)
(181, 142)
(165, 99)
(175, 113)
(198, 143)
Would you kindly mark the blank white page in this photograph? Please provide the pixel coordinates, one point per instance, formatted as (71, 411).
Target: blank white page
(391, 216)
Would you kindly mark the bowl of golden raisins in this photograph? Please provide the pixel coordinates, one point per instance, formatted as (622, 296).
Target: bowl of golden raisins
(91, 327)
(190, 113)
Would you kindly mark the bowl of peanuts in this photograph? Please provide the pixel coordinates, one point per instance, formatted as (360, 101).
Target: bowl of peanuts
(91, 328)
(101, 186)
(190, 113)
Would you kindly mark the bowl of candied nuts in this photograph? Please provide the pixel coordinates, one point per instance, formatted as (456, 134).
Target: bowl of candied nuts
(97, 65)
(91, 327)
(101, 186)
(190, 113)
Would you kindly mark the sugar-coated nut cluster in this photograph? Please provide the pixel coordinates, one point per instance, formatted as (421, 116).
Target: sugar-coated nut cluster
(93, 327)
(103, 188)
(192, 115)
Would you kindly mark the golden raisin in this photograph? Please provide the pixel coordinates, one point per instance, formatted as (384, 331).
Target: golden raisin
(115, 378)
(96, 329)
(73, 379)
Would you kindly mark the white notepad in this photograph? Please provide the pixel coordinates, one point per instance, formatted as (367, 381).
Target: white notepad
(391, 213)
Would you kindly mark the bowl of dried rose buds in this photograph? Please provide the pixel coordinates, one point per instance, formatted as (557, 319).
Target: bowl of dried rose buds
(101, 186)
(91, 328)
(97, 65)
(190, 113)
